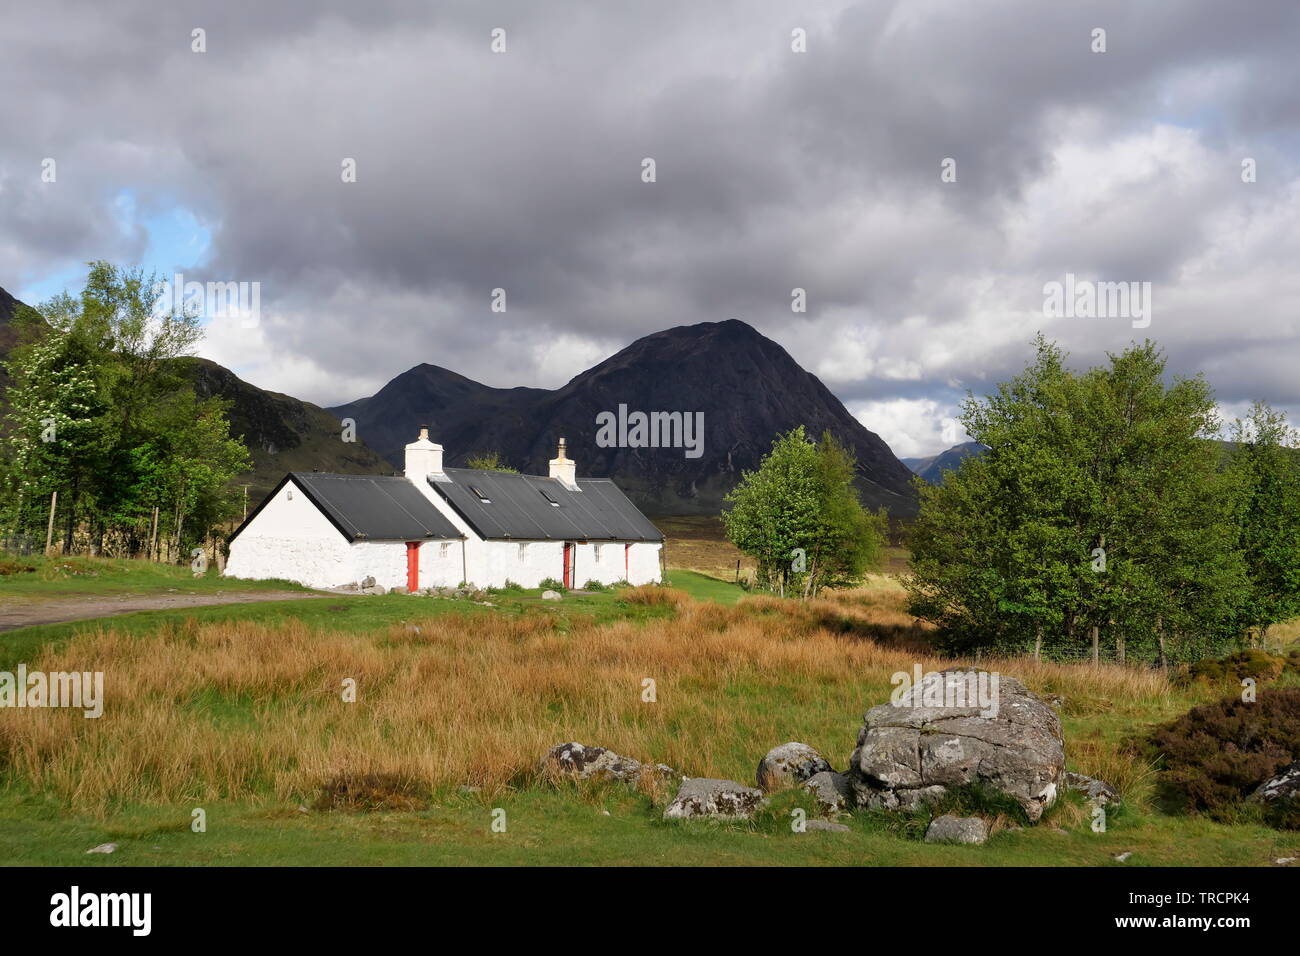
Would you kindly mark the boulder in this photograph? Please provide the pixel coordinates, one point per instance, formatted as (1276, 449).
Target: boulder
(367, 582)
(702, 797)
(552, 596)
(588, 763)
(1097, 791)
(788, 765)
(832, 791)
(1284, 785)
(951, 829)
(813, 826)
(940, 733)
(374, 589)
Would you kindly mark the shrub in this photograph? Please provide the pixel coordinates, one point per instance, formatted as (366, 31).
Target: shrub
(594, 585)
(550, 584)
(654, 594)
(1259, 665)
(1216, 754)
(371, 792)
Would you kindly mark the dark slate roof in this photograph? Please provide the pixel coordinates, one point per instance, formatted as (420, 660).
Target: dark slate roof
(519, 506)
(369, 507)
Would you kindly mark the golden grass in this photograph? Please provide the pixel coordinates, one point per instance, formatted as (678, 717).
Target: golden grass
(249, 710)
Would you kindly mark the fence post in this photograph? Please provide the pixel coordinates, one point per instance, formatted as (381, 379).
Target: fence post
(1096, 645)
(49, 528)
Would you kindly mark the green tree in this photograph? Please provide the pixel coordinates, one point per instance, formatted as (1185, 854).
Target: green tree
(798, 516)
(489, 461)
(1265, 465)
(1098, 513)
(129, 434)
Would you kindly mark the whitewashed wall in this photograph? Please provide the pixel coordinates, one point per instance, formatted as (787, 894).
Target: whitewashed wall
(292, 540)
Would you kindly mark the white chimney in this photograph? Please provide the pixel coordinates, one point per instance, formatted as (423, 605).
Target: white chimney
(423, 457)
(564, 468)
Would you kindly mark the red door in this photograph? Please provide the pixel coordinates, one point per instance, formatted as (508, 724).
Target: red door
(569, 551)
(412, 565)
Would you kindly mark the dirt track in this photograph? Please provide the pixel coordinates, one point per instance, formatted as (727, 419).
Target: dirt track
(69, 608)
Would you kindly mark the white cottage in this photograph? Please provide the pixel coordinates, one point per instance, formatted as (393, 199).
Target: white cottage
(437, 527)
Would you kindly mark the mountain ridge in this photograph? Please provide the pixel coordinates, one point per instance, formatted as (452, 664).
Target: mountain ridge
(748, 387)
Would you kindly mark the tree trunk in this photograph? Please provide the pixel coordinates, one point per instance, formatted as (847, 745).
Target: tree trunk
(153, 537)
(49, 531)
(1160, 637)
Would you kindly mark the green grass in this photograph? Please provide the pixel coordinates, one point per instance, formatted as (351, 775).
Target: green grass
(343, 612)
(563, 827)
(702, 587)
(568, 826)
(61, 577)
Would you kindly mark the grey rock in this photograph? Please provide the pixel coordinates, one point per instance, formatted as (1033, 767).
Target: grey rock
(911, 752)
(367, 582)
(703, 797)
(103, 848)
(832, 791)
(1097, 791)
(1284, 785)
(788, 765)
(825, 826)
(951, 829)
(1122, 857)
(374, 589)
(588, 763)
(552, 596)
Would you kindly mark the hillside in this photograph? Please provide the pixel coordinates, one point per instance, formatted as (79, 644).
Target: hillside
(747, 386)
(281, 433)
(932, 468)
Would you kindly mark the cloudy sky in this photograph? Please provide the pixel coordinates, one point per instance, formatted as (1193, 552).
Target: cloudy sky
(775, 169)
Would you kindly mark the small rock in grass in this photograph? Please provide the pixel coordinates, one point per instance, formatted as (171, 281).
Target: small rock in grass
(824, 826)
(552, 596)
(788, 765)
(1121, 857)
(704, 797)
(103, 848)
(951, 829)
(1097, 791)
(587, 763)
(831, 790)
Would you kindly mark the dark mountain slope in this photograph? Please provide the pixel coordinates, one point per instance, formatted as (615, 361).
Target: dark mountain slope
(748, 388)
(282, 434)
(933, 467)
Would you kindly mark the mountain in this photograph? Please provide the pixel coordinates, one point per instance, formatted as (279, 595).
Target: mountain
(748, 388)
(932, 468)
(281, 433)
(8, 334)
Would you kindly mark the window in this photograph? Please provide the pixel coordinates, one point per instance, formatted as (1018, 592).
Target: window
(547, 495)
(443, 549)
(596, 550)
(523, 552)
(479, 494)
